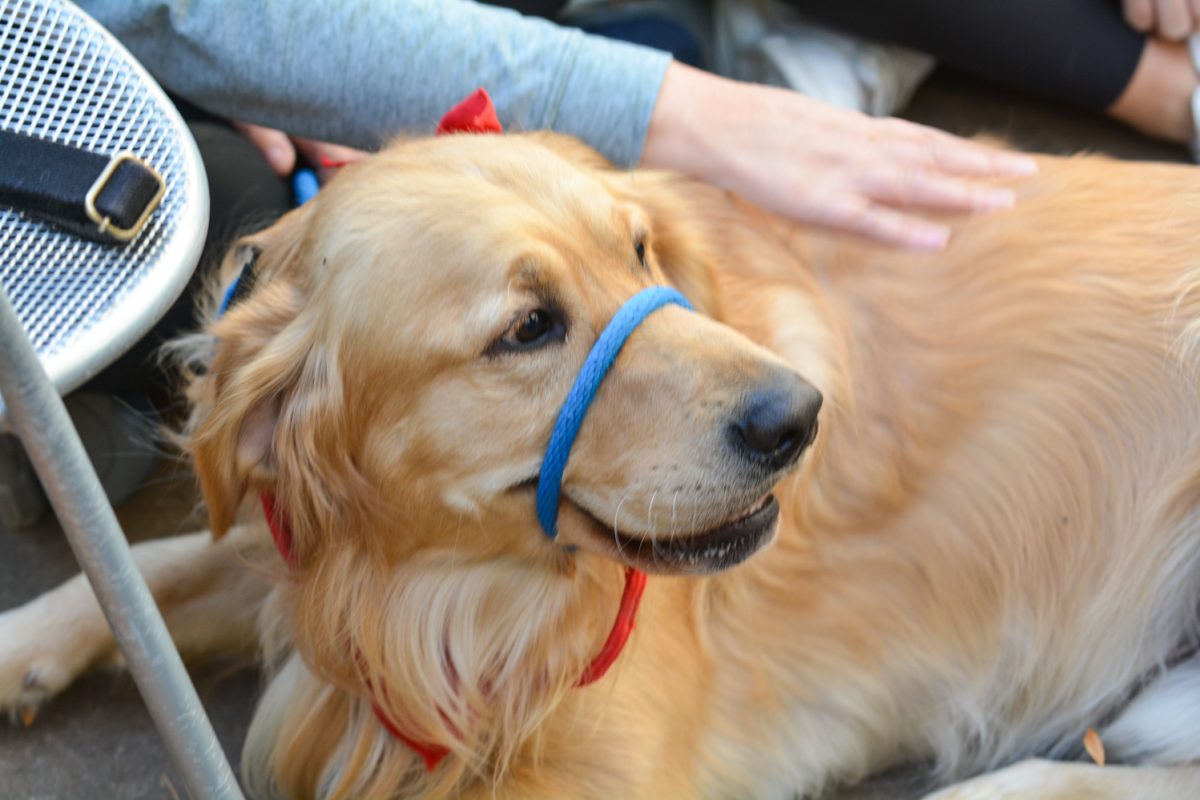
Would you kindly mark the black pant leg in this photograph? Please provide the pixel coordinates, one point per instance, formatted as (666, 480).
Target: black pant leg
(1078, 52)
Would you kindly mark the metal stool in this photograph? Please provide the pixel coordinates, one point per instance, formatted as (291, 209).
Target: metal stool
(69, 306)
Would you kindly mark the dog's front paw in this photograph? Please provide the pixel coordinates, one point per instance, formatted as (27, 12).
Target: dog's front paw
(1073, 780)
(44, 646)
(1034, 779)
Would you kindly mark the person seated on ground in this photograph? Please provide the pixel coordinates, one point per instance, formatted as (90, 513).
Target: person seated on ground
(1136, 60)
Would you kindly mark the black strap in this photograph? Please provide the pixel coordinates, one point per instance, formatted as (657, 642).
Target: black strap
(101, 197)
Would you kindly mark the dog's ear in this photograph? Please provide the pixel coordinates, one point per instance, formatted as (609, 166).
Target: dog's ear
(260, 367)
(678, 242)
(673, 207)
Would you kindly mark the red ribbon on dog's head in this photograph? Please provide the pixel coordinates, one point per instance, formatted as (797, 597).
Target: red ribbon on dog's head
(474, 114)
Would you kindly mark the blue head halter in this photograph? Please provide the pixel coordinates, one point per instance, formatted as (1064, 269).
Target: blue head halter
(587, 383)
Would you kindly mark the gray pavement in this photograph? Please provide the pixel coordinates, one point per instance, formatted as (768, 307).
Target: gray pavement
(97, 741)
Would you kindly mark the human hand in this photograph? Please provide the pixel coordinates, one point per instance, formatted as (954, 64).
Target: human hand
(823, 165)
(281, 150)
(1171, 19)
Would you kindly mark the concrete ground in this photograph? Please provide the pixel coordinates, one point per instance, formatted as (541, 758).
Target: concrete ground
(97, 741)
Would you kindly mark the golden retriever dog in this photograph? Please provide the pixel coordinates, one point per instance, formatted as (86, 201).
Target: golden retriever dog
(992, 545)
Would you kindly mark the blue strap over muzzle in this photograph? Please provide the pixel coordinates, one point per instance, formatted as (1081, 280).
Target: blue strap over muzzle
(587, 383)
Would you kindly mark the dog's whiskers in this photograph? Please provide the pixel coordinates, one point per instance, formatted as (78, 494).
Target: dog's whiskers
(616, 515)
(650, 512)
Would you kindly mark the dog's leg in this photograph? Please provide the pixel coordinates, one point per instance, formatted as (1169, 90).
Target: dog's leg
(1159, 731)
(1056, 780)
(207, 596)
(1162, 724)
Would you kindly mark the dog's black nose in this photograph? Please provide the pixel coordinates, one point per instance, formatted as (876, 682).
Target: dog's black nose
(776, 424)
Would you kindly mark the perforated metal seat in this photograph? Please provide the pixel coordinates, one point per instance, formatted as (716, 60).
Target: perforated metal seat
(69, 306)
(83, 303)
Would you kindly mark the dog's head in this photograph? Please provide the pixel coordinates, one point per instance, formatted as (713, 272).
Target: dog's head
(393, 378)
(414, 331)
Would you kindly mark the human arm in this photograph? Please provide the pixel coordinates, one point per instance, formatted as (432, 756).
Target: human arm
(824, 165)
(359, 71)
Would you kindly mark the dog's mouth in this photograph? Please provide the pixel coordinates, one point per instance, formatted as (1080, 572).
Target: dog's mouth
(711, 550)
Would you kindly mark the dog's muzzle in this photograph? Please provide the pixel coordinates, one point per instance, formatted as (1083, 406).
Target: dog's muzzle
(601, 357)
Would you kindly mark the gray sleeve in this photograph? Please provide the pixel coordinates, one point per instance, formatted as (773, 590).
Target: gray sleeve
(360, 71)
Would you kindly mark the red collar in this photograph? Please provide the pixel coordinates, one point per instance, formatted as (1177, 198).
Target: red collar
(432, 754)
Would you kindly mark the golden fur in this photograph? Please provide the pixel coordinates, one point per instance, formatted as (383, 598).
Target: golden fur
(990, 547)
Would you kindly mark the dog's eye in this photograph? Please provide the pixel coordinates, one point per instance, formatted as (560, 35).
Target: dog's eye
(640, 249)
(534, 329)
(534, 326)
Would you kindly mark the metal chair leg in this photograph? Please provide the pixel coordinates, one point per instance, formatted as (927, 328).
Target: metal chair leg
(39, 418)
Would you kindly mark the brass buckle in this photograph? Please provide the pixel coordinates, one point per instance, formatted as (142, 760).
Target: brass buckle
(105, 224)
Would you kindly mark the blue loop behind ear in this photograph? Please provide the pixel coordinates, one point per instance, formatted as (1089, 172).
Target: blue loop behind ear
(227, 299)
(587, 383)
